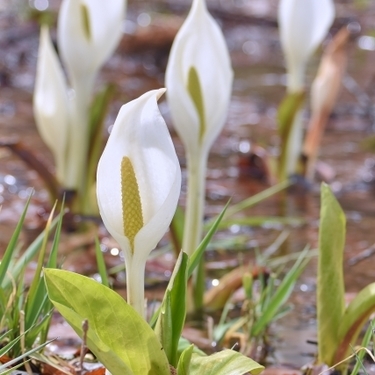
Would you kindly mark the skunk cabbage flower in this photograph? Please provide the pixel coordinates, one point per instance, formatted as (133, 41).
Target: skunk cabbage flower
(138, 186)
(199, 80)
(51, 104)
(303, 25)
(199, 85)
(88, 33)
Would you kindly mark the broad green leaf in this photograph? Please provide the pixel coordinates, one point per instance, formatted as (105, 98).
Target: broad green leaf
(356, 315)
(223, 363)
(183, 367)
(173, 310)
(117, 334)
(287, 112)
(330, 283)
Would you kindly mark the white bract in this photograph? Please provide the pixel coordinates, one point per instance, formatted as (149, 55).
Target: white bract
(199, 79)
(138, 186)
(88, 33)
(50, 103)
(303, 25)
(199, 84)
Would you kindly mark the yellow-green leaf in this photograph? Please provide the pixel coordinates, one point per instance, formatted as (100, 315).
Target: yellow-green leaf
(224, 363)
(356, 315)
(330, 283)
(195, 91)
(120, 338)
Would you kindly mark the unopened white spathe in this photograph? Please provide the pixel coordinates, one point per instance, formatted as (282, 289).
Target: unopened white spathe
(199, 44)
(50, 104)
(199, 85)
(141, 135)
(88, 33)
(303, 25)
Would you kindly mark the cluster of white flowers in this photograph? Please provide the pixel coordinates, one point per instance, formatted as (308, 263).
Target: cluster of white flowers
(139, 177)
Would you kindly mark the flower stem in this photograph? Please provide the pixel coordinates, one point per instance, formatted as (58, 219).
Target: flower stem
(135, 282)
(294, 146)
(196, 166)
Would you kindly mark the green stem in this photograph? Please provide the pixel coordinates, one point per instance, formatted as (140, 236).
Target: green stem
(196, 167)
(193, 229)
(135, 285)
(294, 146)
(78, 147)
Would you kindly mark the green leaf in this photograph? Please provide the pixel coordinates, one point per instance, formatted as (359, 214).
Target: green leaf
(164, 327)
(173, 310)
(101, 263)
(364, 344)
(117, 335)
(177, 229)
(280, 296)
(183, 367)
(224, 363)
(5, 366)
(7, 257)
(255, 199)
(197, 255)
(261, 220)
(355, 317)
(27, 256)
(195, 91)
(330, 283)
(36, 296)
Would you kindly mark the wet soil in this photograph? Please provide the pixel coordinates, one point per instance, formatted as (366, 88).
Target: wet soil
(259, 86)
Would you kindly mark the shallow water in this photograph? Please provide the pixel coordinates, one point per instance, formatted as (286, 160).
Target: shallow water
(138, 65)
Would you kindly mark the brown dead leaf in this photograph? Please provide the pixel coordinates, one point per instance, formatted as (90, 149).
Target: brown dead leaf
(324, 93)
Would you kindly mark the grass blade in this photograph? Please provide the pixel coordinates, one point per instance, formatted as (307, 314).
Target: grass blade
(9, 252)
(101, 263)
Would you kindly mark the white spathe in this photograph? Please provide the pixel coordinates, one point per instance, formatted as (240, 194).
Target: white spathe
(50, 103)
(199, 44)
(88, 33)
(139, 133)
(303, 25)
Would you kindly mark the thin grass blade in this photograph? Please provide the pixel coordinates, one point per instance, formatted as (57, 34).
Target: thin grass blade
(101, 263)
